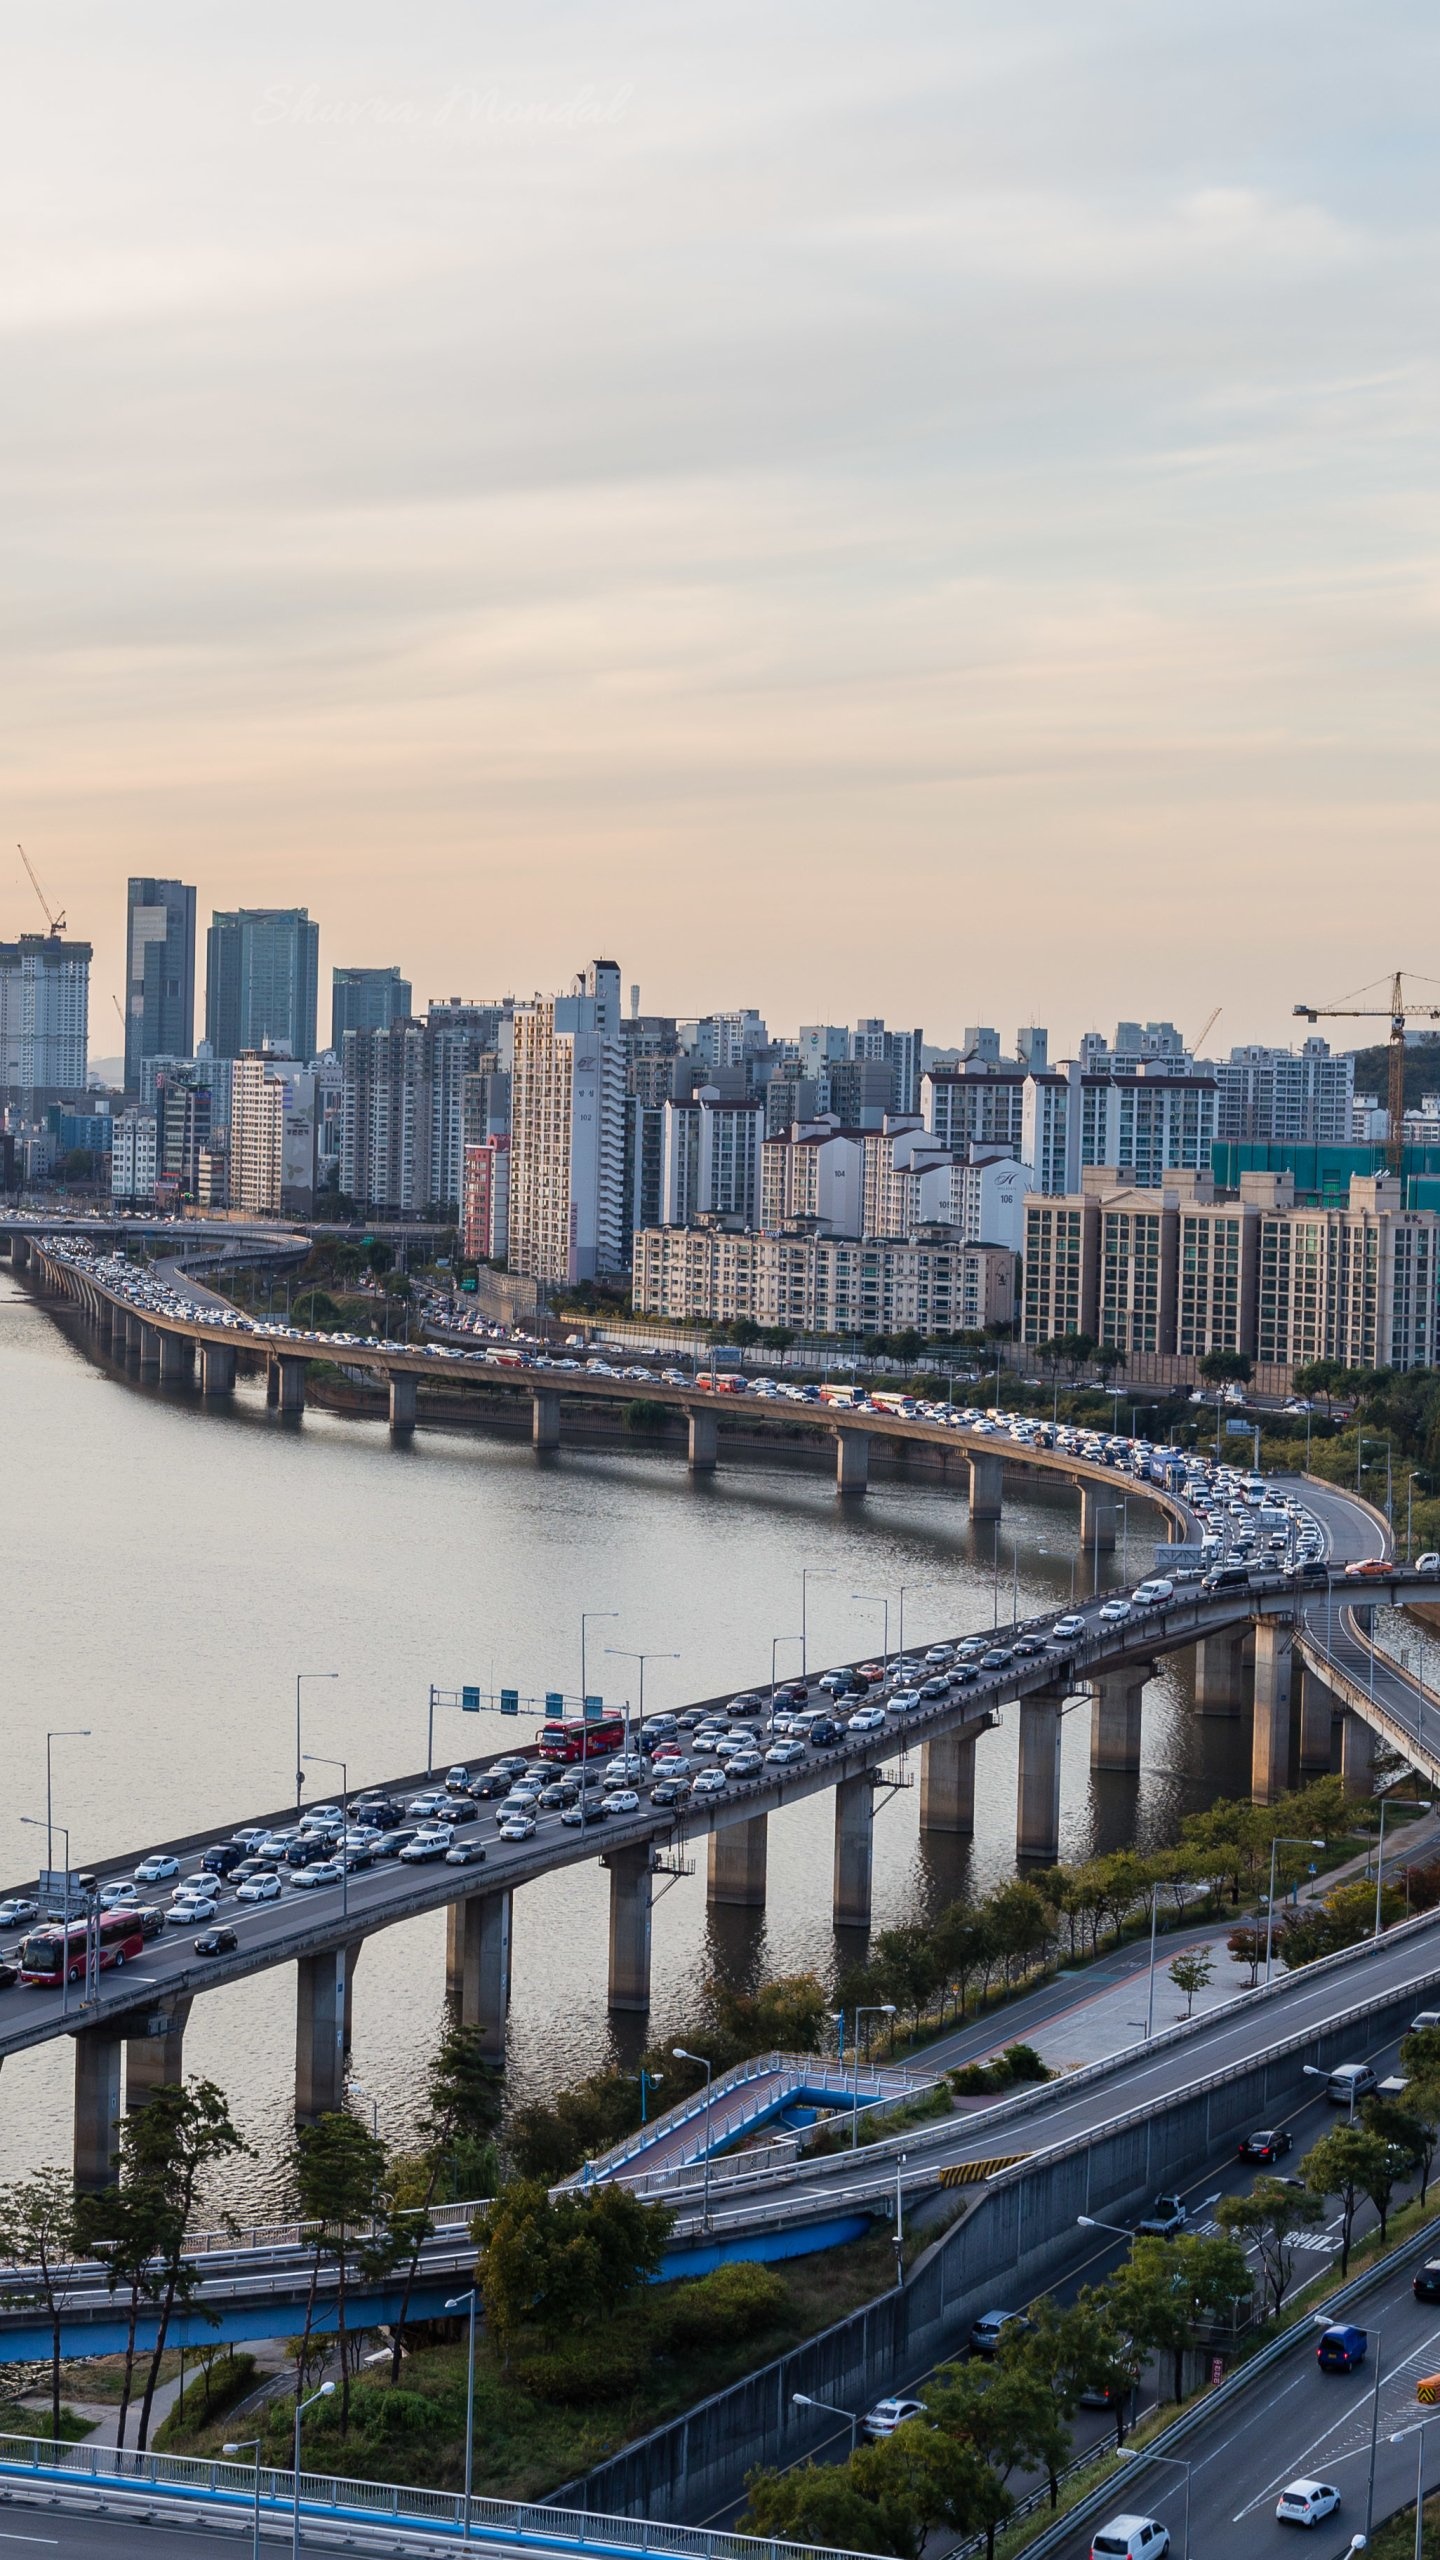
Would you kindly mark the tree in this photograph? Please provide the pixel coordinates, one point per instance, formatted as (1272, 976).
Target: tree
(462, 2111)
(820, 2503)
(338, 2166)
(1247, 1945)
(1190, 1973)
(37, 2231)
(1402, 2137)
(1348, 2163)
(1167, 2288)
(169, 2144)
(564, 2262)
(128, 2227)
(1272, 2216)
(1007, 2414)
(928, 2478)
(1319, 1378)
(1224, 1368)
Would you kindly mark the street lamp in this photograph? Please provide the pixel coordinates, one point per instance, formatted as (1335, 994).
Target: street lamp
(1418, 2432)
(467, 2302)
(648, 2080)
(250, 2444)
(299, 1771)
(904, 1587)
(775, 1644)
(876, 2009)
(809, 1573)
(61, 1733)
(33, 1822)
(325, 2392)
(625, 1655)
(1142, 2453)
(585, 1617)
(682, 2056)
(878, 1600)
(1410, 1804)
(1282, 1840)
(322, 1760)
(1091, 2222)
(802, 2400)
(1321, 2322)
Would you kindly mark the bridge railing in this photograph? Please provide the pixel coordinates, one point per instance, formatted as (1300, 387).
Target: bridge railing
(877, 2082)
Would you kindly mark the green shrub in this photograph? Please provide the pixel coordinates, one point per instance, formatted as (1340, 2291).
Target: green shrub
(734, 2302)
(229, 2379)
(1023, 2063)
(388, 2416)
(600, 2367)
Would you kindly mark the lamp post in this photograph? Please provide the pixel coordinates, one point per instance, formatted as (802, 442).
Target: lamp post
(250, 2444)
(809, 1573)
(325, 2392)
(1410, 1804)
(648, 2080)
(904, 1587)
(467, 2302)
(775, 1644)
(876, 2009)
(878, 1600)
(1140, 2453)
(1320, 2321)
(1282, 1840)
(322, 1760)
(34, 1823)
(61, 1733)
(802, 2400)
(1418, 2432)
(682, 2056)
(625, 1655)
(585, 1617)
(299, 1768)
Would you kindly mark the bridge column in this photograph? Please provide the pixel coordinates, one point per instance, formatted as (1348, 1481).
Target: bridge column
(1037, 1804)
(1115, 1717)
(737, 1863)
(156, 2060)
(1098, 1511)
(217, 1369)
(629, 1927)
(545, 1419)
(404, 1399)
(1220, 1682)
(149, 1345)
(322, 2023)
(852, 1461)
(704, 1442)
(1357, 1755)
(477, 1967)
(97, 2108)
(1317, 1716)
(1270, 1748)
(103, 1313)
(854, 1852)
(987, 1480)
(177, 1359)
(288, 1375)
(20, 1252)
(947, 1783)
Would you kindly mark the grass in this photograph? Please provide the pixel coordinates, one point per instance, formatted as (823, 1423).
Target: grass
(1395, 2539)
(19, 2419)
(526, 2446)
(205, 2399)
(102, 2378)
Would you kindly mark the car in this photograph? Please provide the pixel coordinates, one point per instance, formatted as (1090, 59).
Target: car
(993, 2327)
(264, 1888)
(491, 1782)
(671, 1763)
(190, 1908)
(1369, 1569)
(1429, 1562)
(1341, 2347)
(378, 1813)
(887, 2415)
(115, 1897)
(791, 1693)
(866, 1720)
(249, 1833)
(458, 1780)
(996, 1657)
(621, 1800)
(1127, 2537)
(782, 1755)
(17, 1911)
(157, 1869)
(1264, 2146)
(745, 1764)
(519, 1825)
(1307, 2502)
(152, 1918)
(556, 1796)
(431, 1843)
(1425, 2282)
(1349, 2082)
(223, 1857)
(217, 1942)
(1066, 1629)
(588, 1810)
(310, 1847)
(325, 1871)
(825, 1732)
(527, 1791)
(669, 1792)
(511, 1764)
(390, 1843)
(1165, 2220)
(9, 1976)
(424, 1807)
(1115, 1612)
(466, 1853)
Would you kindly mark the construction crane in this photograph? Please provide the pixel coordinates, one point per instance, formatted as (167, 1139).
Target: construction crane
(1197, 1045)
(1394, 1014)
(55, 923)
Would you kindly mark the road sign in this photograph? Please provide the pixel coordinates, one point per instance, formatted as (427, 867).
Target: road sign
(470, 1701)
(554, 1702)
(509, 1702)
(1240, 1430)
(594, 1710)
(55, 1880)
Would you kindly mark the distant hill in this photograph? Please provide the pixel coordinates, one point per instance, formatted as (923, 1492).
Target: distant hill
(1422, 1071)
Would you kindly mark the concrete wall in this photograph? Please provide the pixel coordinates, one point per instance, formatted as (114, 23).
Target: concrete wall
(1021, 2236)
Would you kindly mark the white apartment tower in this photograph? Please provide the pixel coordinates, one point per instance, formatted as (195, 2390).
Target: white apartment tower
(567, 1133)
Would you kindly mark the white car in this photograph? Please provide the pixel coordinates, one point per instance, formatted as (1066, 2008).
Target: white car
(114, 1897)
(781, 1754)
(670, 1764)
(519, 1825)
(887, 2415)
(744, 1764)
(1115, 1612)
(903, 1700)
(866, 1720)
(156, 1870)
(258, 1889)
(324, 1871)
(1428, 1563)
(191, 1906)
(711, 1782)
(1066, 1629)
(1156, 1588)
(1307, 2502)
(1130, 2538)
(621, 1800)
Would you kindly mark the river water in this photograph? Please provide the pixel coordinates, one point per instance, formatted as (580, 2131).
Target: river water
(169, 1567)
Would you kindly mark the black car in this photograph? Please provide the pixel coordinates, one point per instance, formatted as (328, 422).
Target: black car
(376, 1812)
(307, 1853)
(9, 1973)
(556, 1795)
(459, 1809)
(996, 1659)
(1425, 2282)
(1264, 2146)
(963, 1674)
(152, 1917)
(1028, 1645)
(826, 1731)
(669, 1791)
(934, 1688)
(217, 1942)
(489, 1783)
(390, 1843)
(225, 1855)
(589, 1809)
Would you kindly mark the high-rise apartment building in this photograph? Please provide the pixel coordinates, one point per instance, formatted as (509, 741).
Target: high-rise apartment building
(485, 1208)
(710, 1159)
(159, 973)
(822, 1284)
(133, 1157)
(366, 1000)
(903, 1052)
(567, 1133)
(44, 1021)
(981, 1104)
(1297, 1096)
(262, 977)
(257, 1135)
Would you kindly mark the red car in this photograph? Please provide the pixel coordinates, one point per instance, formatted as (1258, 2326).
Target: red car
(1373, 1569)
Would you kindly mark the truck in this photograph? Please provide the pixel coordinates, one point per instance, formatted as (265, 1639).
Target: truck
(1166, 2219)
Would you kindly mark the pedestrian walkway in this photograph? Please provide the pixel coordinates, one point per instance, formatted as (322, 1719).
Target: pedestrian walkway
(743, 2100)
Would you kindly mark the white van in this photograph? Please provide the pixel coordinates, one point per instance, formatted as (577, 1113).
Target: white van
(1350, 2082)
(1130, 2538)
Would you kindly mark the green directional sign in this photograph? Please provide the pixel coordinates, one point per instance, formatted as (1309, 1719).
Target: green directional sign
(509, 1702)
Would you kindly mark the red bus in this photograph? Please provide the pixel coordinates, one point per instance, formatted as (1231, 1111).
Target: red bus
(571, 1738)
(120, 1938)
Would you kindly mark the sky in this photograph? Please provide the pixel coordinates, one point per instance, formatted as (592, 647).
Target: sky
(926, 510)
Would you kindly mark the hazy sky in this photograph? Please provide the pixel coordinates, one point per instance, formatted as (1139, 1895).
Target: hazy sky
(927, 509)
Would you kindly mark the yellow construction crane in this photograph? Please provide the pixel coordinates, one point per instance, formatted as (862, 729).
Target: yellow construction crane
(1197, 1045)
(55, 923)
(1394, 1014)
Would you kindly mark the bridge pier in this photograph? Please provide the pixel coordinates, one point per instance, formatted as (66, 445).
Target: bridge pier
(217, 1369)
(149, 1345)
(1115, 1717)
(322, 2029)
(947, 1783)
(404, 1399)
(987, 1481)
(852, 1461)
(477, 1967)
(630, 1891)
(1037, 1801)
(97, 2108)
(545, 1419)
(854, 1852)
(704, 1442)
(1318, 1708)
(1098, 1512)
(737, 1864)
(288, 1377)
(102, 1314)
(1220, 1681)
(156, 2061)
(1357, 1755)
(177, 1360)
(20, 1252)
(1270, 1746)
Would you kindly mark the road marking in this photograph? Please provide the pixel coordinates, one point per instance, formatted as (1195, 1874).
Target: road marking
(1302, 2465)
(48, 2539)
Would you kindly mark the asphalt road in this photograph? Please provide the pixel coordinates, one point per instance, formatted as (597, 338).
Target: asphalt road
(33, 2529)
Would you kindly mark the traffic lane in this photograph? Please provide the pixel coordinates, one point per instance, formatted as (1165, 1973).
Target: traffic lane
(34, 2529)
